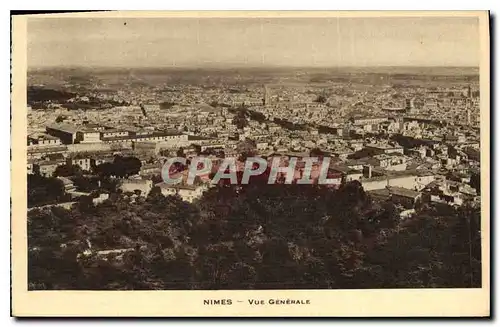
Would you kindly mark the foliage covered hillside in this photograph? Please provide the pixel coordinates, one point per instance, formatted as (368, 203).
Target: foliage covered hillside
(256, 236)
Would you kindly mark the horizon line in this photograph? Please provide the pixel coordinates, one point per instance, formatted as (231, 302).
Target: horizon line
(246, 67)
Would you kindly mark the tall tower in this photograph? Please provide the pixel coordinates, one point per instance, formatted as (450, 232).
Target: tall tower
(468, 108)
(407, 104)
(469, 92)
(266, 95)
(265, 100)
(410, 106)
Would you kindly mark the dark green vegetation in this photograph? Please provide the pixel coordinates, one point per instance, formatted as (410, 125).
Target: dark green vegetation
(120, 167)
(45, 190)
(66, 86)
(43, 98)
(254, 237)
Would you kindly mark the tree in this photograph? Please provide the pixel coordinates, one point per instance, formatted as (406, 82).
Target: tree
(155, 192)
(109, 184)
(86, 184)
(85, 204)
(475, 182)
(321, 99)
(466, 245)
(246, 148)
(364, 153)
(254, 236)
(126, 166)
(240, 120)
(120, 167)
(67, 170)
(180, 153)
(156, 179)
(105, 169)
(197, 148)
(44, 190)
(316, 152)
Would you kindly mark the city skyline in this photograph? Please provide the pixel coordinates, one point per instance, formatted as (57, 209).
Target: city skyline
(290, 152)
(253, 42)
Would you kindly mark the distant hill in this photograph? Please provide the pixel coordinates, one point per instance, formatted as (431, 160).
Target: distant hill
(115, 78)
(37, 94)
(437, 70)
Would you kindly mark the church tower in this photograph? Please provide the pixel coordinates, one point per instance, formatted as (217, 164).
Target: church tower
(266, 96)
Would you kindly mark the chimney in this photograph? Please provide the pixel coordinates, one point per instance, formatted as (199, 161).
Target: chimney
(367, 171)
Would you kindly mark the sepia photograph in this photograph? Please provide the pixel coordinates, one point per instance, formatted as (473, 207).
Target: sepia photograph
(256, 151)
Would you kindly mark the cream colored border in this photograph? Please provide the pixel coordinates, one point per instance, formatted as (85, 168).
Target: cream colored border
(415, 302)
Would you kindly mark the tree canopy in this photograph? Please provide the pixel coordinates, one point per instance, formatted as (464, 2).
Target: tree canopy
(67, 170)
(254, 236)
(240, 120)
(45, 190)
(120, 167)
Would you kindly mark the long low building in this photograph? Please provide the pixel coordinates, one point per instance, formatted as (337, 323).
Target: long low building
(42, 140)
(150, 137)
(188, 193)
(70, 134)
(65, 132)
(412, 180)
(38, 152)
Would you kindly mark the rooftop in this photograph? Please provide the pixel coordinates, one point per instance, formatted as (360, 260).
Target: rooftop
(401, 191)
(197, 138)
(177, 187)
(383, 146)
(46, 149)
(43, 136)
(64, 127)
(114, 130)
(381, 193)
(132, 137)
(88, 130)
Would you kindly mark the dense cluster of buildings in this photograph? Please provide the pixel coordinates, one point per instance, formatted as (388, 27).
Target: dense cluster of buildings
(437, 135)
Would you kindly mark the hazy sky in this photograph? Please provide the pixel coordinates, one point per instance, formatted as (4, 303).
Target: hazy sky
(192, 42)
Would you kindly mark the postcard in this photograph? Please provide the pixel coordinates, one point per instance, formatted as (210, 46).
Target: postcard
(251, 164)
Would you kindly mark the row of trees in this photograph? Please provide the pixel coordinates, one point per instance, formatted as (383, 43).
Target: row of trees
(43, 98)
(50, 190)
(120, 167)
